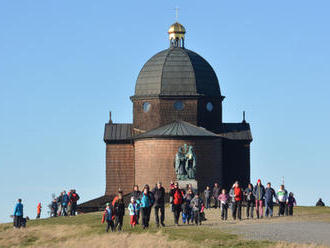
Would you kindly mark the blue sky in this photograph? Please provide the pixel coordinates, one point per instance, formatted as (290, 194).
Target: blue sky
(65, 64)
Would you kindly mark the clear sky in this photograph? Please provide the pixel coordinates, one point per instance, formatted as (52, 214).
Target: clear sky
(65, 64)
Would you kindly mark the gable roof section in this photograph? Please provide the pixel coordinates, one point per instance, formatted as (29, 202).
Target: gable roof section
(235, 131)
(117, 132)
(177, 129)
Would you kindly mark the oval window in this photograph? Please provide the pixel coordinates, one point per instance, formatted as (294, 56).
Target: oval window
(178, 105)
(209, 106)
(146, 106)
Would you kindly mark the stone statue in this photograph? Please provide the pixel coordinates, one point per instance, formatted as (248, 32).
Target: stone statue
(180, 163)
(185, 163)
(190, 163)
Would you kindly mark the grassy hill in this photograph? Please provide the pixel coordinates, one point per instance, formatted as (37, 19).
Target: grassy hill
(86, 230)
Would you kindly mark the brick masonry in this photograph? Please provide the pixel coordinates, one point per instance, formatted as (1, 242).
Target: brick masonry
(162, 112)
(155, 160)
(119, 168)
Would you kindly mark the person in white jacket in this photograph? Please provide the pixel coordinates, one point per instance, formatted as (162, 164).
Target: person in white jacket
(282, 197)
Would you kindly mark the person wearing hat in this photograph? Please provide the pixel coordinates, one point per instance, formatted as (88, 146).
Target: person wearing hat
(259, 193)
(107, 216)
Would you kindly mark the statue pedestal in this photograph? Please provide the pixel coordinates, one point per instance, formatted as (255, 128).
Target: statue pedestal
(183, 184)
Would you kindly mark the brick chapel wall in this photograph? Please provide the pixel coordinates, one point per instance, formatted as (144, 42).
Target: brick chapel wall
(119, 168)
(236, 162)
(210, 119)
(155, 160)
(162, 112)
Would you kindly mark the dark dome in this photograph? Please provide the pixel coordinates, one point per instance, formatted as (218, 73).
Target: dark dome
(177, 72)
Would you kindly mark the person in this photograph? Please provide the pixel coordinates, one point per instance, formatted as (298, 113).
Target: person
(259, 193)
(65, 201)
(132, 211)
(237, 197)
(38, 210)
(250, 199)
(207, 196)
(59, 204)
(215, 194)
(171, 185)
(18, 214)
(224, 201)
(291, 203)
(146, 204)
(107, 216)
(54, 207)
(159, 204)
(269, 195)
(74, 198)
(119, 211)
(177, 200)
(320, 203)
(282, 196)
(187, 212)
(69, 207)
(197, 205)
(137, 196)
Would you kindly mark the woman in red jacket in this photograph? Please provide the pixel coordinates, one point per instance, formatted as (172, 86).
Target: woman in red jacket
(177, 200)
(237, 197)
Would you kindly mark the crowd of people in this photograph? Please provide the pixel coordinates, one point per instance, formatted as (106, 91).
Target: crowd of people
(65, 204)
(185, 203)
(255, 197)
(190, 205)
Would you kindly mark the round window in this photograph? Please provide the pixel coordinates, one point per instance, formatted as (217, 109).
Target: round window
(178, 105)
(146, 106)
(209, 106)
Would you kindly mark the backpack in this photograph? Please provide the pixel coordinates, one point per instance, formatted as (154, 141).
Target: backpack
(177, 197)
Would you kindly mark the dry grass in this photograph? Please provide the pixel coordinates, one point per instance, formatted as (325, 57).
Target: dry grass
(87, 231)
(39, 236)
(124, 240)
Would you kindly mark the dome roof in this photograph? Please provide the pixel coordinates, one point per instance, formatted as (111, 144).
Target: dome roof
(176, 27)
(177, 72)
(176, 31)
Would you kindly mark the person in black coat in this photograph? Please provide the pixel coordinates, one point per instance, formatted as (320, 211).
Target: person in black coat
(119, 211)
(159, 204)
(215, 194)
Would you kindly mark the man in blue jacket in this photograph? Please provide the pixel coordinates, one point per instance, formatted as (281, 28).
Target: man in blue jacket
(18, 214)
(65, 201)
(269, 195)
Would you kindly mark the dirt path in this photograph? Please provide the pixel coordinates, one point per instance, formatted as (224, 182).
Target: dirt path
(296, 232)
(296, 229)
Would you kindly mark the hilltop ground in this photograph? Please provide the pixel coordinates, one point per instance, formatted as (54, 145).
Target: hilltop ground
(310, 227)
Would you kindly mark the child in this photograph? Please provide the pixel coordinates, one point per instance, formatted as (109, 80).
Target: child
(207, 196)
(224, 199)
(197, 205)
(107, 216)
(291, 203)
(132, 208)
